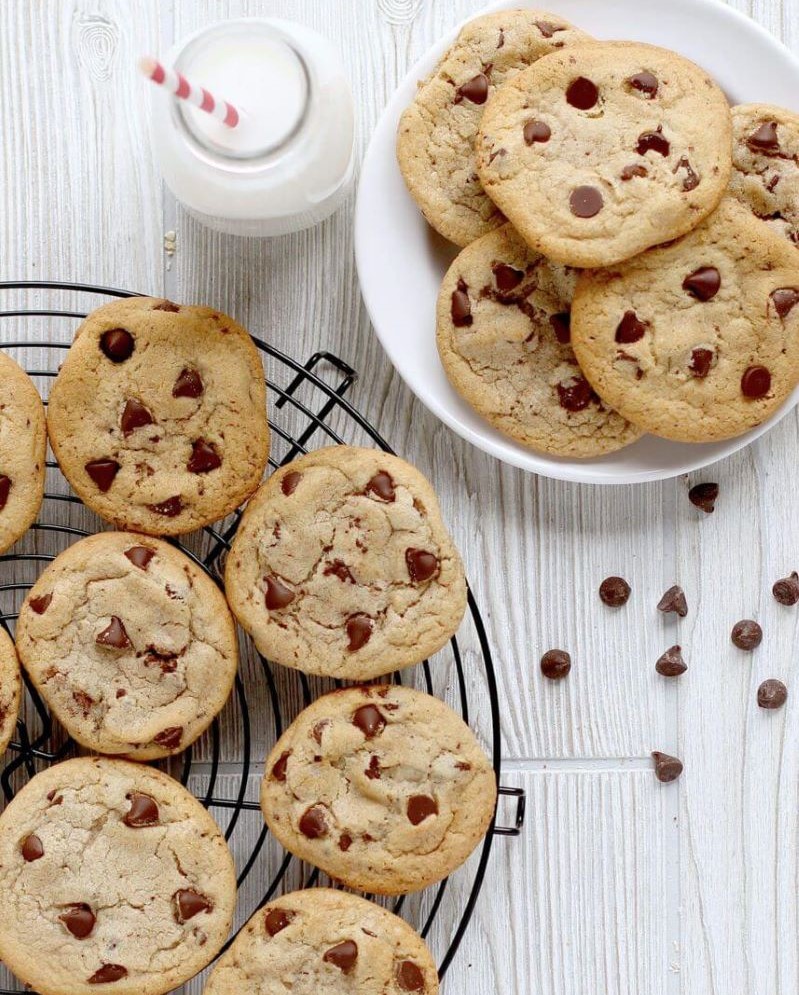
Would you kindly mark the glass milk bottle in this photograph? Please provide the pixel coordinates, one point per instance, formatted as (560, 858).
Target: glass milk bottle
(288, 163)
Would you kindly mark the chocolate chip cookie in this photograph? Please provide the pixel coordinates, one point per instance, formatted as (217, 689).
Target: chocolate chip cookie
(602, 150)
(342, 566)
(23, 444)
(10, 690)
(325, 942)
(435, 140)
(383, 787)
(131, 645)
(503, 337)
(697, 340)
(765, 157)
(112, 878)
(158, 416)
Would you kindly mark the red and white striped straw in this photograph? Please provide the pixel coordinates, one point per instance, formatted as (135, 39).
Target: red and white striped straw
(177, 84)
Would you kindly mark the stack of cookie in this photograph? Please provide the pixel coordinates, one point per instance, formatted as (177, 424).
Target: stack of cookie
(629, 256)
(112, 874)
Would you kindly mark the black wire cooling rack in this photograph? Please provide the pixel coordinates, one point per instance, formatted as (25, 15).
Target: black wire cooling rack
(308, 408)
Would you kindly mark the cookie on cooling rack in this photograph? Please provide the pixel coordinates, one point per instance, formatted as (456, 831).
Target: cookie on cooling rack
(158, 415)
(334, 942)
(130, 644)
(503, 337)
(112, 877)
(23, 445)
(342, 566)
(10, 689)
(435, 139)
(383, 787)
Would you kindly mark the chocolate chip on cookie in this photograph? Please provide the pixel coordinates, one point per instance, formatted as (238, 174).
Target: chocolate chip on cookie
(755, 382)
(703, 283)
(536, 131)
(582, 93)
(117, 344)
(585, 202)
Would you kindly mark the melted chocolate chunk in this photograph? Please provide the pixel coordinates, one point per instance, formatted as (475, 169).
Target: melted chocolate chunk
(636, 169)
(703, 283)
(143, 811)
(170, 737)
(276, 920)
(691, 178)
(188, 903)
(653, 141)
(370, 720)
(575, 394)
(5, 490)
(78, 919)
(359, 631)
(421, 807)
(140, 556)
(290, 482)
(204, 457)
(507, 278)
(461, 308)
(786, 590)
(338, 568)
(703, 496)
(764, 139)
(40, 605)
(673, 601)
(784, 300)
(561, 326)
(614, 592)
(344, 842)
(188, 384)
(373, 770)
(170, 508)
(343, 956)
(646, 83)
(555, 664)
(166, 305)
(756, 382)
(582, 93)
(746, 634)
(474, 90)
(630, 328)
(772, 694)
(700, 362)
(422, 565)
(32, 848)
(536, 131)
(277, 595)
(381, 486)
(548, 29)
(666, 768)
(114, 635)
(313, 824)
(409, 977)
(586, 202)
(135, 415)
(108, 974)
(281, 764)
(102, 472)
(671, 663)
(117, 345)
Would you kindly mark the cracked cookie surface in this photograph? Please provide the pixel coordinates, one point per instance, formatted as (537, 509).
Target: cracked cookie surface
(23, 446)
(765, 158)
(436, 135)
(383, 787)
(342, 566)
(10, 690)
(131, 645)
(325, 942)
(602, 150)
(158, 415)
(503, 338)
(112, 878)
(697, 340)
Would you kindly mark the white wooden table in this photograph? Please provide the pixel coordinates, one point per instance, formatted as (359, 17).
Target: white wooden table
(619, 885)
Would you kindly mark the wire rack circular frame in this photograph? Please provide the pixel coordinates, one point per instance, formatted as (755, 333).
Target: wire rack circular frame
(309, 409)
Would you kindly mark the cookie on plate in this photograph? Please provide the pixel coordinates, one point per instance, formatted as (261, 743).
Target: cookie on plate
(503, 338)
(10, 689)
(130, 643)
(23, 450)
(602, 150)
(765, 158)
(325, 942)
(158, 416)
(342, 566)
(112, 877)
(384, 788)
(697, 340)
(435, 140)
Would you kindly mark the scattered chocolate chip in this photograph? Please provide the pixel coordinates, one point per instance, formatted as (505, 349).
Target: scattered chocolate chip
(575, 394)
(318, 730)
(277, 595)
(536, 131)
(474, 90)
(635, 169)
(421, 807)
(555, 664)
(746, 634)
(674, 601)
(140, 556)
(381, 486)
(586, 202)
(343, 956)
(772, 694)
(582, 93)
(784, 298)
(409, 977)
(653, 141)
(373, 770)
(279, 769)
(114, 635)
(276, 920)
(5, 490)
(764, 138)
(461, 308)
(771, 186)
(78, 919)
(666, 768)
(338, 568)
(313, 823)
(117, 345)
(102, 472)
(204, 457)
(614, 592)
(646, 83)
(786, 590)
(188, 384)
(166, 305)
(700, 362)
(32, 848)
(344, 842)
(135, 415)
(107, 974)
(359, 631)
(561, 326)
(143, 811)
(507, 278)
(671, 664)
(703, 496)
(756, 382)
(188, 903)
(83, 701)
(548, 29)
(703, 283)
(422, 565)
(169, 738)
(170, 508)
(40, 605)
(691, 178)
(630, 328)
(290, 482)
(370, 720)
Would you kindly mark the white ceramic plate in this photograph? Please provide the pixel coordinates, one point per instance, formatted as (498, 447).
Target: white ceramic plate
(401, 261)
